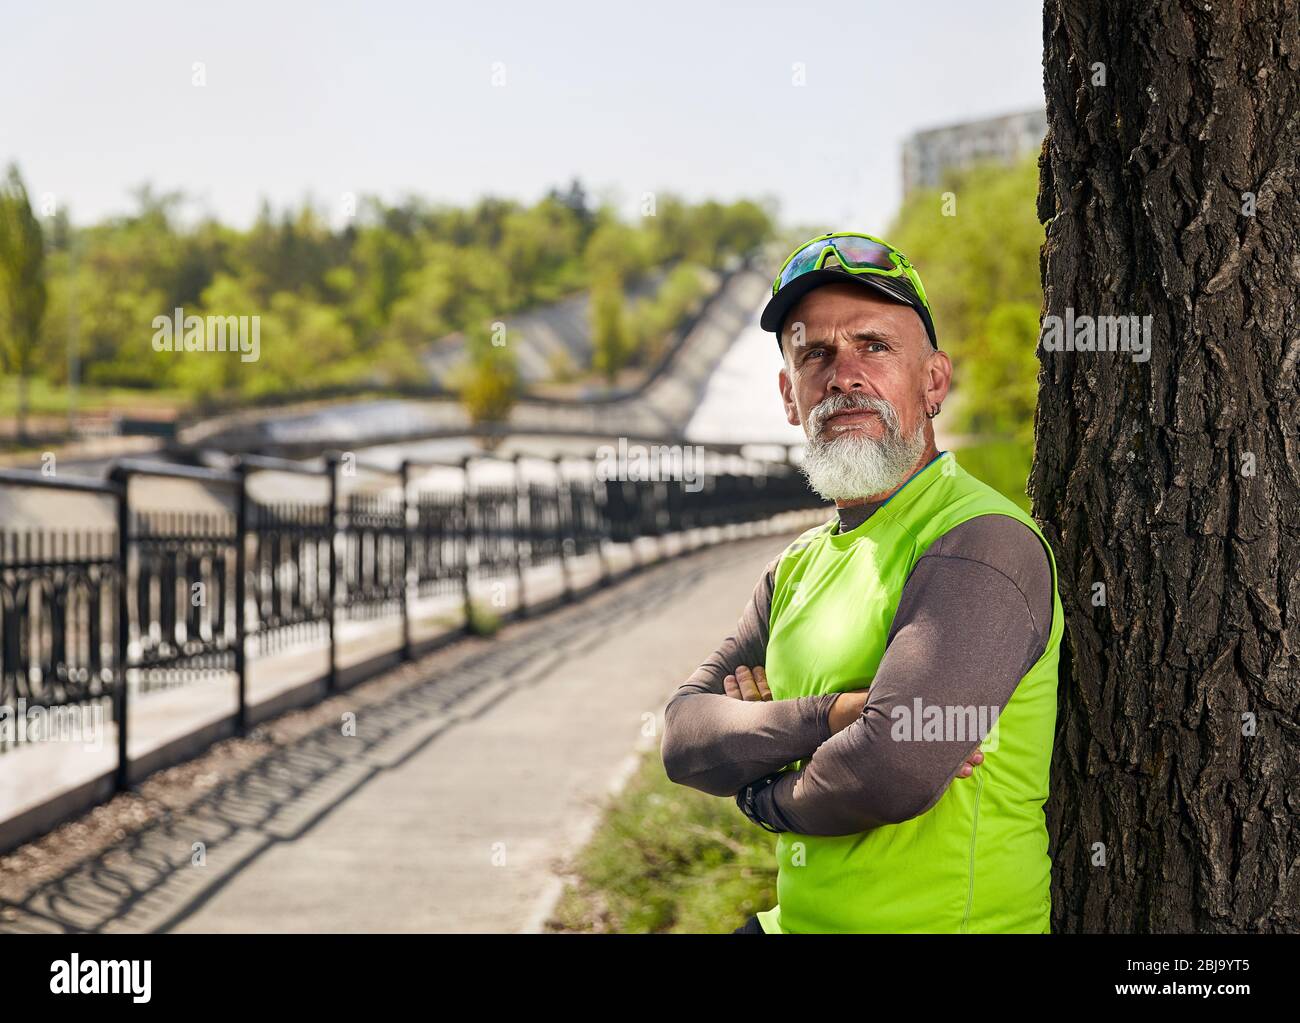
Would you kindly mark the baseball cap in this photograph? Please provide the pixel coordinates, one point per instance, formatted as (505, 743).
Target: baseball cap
(840, 257)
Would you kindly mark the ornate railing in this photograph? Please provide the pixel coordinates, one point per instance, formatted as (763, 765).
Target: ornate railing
(58, 608)
(167, 597)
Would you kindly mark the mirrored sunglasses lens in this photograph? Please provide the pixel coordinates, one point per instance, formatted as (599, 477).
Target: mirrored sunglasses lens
(863, 252)
(804, 261)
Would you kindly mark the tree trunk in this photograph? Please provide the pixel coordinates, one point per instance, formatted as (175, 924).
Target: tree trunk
(1170, 189)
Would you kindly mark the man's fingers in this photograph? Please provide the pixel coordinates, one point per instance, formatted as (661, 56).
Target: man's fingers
(748, 689)
(760, 678)
(968, 768)
(730, 688)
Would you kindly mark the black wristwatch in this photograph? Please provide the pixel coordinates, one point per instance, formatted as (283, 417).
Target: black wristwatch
(746, 801)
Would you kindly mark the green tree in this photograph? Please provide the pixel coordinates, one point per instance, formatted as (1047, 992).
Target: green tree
(488, 381)
(1000, 366)
(575, 201)
(541, 251)
(975, 242)
(360, 306)
(652, 321)
(22, 285)
(746, 225)
(610, 336)
(617, 249)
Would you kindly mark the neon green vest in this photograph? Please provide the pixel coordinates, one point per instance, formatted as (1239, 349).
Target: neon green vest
(977, 860)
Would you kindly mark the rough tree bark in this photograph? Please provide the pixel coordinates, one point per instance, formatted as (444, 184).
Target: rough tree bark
(1174, 482)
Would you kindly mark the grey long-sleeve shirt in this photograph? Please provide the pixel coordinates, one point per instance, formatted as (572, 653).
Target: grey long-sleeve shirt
(973, 617)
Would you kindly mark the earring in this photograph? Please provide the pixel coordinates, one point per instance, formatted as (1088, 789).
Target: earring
(932, 411)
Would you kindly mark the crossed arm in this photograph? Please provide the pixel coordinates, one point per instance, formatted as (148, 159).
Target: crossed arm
(973, 617)
(716, 742)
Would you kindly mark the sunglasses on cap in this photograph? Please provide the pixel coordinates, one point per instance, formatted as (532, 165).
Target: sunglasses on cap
(861, 255)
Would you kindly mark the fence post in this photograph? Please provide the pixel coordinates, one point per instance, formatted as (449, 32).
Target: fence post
(241, 595)
(122, 477)
(465, 539)
(563, 521)
(600, 512)
(332, 467)
(521, 489)
(407, 535)
(661, 533)
(634, 524)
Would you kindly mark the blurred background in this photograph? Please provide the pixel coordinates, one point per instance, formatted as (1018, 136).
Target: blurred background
(381, 184)
(509, 231)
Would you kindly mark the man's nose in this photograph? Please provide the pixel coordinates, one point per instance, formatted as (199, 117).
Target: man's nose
(851, 374)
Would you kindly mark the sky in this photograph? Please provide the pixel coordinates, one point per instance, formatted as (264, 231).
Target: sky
(454, 101)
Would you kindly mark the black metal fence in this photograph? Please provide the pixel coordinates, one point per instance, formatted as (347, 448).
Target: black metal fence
(169, 597)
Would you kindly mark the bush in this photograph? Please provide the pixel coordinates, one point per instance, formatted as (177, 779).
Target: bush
(1002, 464)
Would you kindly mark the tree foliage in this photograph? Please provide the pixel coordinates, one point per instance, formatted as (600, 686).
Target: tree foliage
(975, 242)
(488, 381)
(355, 304)
(23, 293)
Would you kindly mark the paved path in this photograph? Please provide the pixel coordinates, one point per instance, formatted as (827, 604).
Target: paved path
(462, 835)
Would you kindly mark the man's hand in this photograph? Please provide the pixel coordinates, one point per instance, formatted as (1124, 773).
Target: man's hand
(747, 685)
(968, 768)
(846, 709)
(751, 684)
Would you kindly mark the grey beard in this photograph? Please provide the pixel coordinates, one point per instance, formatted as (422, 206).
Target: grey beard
(852, 465)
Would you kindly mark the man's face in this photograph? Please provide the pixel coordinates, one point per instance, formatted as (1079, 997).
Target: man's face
(859, 376)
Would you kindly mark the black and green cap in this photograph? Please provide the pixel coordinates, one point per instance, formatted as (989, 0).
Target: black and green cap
(845, 256)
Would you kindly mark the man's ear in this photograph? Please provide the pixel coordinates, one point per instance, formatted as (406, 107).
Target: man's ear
(787, 398)
(938, 378)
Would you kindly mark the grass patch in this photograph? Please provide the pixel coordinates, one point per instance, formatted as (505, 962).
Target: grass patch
(46, 399)
(1002, 464)
(667, 859)
(483, 621)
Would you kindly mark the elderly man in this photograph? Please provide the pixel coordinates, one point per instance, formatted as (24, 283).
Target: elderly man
(887, 702)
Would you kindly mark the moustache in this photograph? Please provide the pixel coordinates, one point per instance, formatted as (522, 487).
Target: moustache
(838, 403)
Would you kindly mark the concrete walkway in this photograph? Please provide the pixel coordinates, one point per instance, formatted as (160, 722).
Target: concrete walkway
(463, 835)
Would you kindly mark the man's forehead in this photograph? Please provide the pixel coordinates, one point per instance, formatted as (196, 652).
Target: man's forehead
(857, 328)
(848, 321)
(836, 303)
